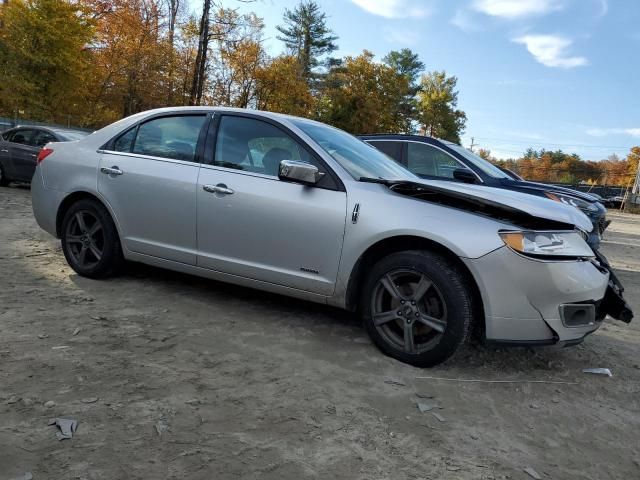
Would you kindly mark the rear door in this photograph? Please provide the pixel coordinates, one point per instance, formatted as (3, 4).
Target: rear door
(148, 175)
(23, 153)
(253, 225)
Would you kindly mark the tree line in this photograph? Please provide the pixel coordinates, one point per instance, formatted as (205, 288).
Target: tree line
(91, 62)
(560, 167)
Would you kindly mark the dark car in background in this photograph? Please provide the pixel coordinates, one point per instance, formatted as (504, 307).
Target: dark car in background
(19, 149)
(437, 159)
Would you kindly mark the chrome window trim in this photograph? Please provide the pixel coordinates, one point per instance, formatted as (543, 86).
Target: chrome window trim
(148, 157)
(369, 141)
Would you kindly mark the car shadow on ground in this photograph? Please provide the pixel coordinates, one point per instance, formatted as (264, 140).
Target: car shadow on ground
(483, 358)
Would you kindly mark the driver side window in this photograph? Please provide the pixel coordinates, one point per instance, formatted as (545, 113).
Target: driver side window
(255, 146)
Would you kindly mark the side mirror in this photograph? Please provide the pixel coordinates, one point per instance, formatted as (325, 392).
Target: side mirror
(465, 175)
(299, 172)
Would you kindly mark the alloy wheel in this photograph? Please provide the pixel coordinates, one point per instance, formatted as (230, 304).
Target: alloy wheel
(85, 239)
(408, 311)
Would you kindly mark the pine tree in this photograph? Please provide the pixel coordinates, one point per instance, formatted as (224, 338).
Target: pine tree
(409, 65)
(307, 36)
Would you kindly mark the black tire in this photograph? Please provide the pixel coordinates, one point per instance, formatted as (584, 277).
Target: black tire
(445, 303)
(4, 181)
(104, 241)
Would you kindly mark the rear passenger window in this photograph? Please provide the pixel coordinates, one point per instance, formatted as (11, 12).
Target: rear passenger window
(22, 137)
(168, 137)
(391, 149)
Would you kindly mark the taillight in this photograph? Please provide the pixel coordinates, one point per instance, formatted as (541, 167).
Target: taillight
(44, 153)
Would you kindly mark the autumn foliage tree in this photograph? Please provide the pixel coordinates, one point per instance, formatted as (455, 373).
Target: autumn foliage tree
(43, 58)
(362, 96)
(281, 88)
(91, 62)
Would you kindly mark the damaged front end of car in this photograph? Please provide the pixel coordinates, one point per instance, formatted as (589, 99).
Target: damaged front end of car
(613, 302)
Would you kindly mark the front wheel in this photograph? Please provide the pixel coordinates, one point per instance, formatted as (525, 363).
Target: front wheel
(90, 240)
(417, 307)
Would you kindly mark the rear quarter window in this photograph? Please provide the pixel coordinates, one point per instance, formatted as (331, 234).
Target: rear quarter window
(391, 149)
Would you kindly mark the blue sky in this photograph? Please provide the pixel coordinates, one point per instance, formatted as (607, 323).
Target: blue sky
(541, 73)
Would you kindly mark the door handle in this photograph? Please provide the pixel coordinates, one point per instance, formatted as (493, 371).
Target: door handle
(220, 188)
(5, 151)
(111, 170)
(32, 155)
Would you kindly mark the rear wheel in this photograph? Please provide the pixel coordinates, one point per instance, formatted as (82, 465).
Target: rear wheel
(90, 240)
(417, 307)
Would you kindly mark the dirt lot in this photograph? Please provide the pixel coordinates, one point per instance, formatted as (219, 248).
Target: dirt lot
(172, 376)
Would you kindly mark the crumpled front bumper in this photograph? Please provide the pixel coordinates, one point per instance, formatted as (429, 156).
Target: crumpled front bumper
(613, 303)
(532, 302)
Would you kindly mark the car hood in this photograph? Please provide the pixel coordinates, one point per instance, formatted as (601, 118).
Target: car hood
(555, 188)
(530, 205)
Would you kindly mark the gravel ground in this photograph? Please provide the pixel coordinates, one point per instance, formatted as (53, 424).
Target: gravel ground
(172, 376)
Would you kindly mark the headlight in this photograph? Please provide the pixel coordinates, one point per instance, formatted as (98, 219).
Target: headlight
(573, 201)
(548, 244)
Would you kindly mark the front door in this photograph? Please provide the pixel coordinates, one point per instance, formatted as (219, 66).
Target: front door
(253, 225)
(148, 176)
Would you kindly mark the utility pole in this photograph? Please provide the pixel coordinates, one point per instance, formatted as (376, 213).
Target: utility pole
(636, 184)
(473, 144)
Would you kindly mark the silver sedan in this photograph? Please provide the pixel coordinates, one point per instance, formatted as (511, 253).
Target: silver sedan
(302, 209)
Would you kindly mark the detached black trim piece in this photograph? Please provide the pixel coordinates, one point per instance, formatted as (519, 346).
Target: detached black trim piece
(476, 205)
(613, 303)
(615, 306)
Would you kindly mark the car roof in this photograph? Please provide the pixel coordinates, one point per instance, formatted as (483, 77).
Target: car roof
(406, 136)
(61, 131)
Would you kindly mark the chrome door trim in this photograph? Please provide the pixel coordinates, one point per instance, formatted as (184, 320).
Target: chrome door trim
(149, 157)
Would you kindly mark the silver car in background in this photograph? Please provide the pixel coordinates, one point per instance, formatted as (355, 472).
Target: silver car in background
(299, 208)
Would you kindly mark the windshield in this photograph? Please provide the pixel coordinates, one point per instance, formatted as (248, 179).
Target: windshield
(72, 136)
(357, 157)
(484, 165)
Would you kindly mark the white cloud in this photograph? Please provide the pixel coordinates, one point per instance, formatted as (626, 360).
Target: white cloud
(394, 8)
(601, 132)
(465, 21)
(403, 37)
(551, 50)
(604, 7)
(511, 9)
